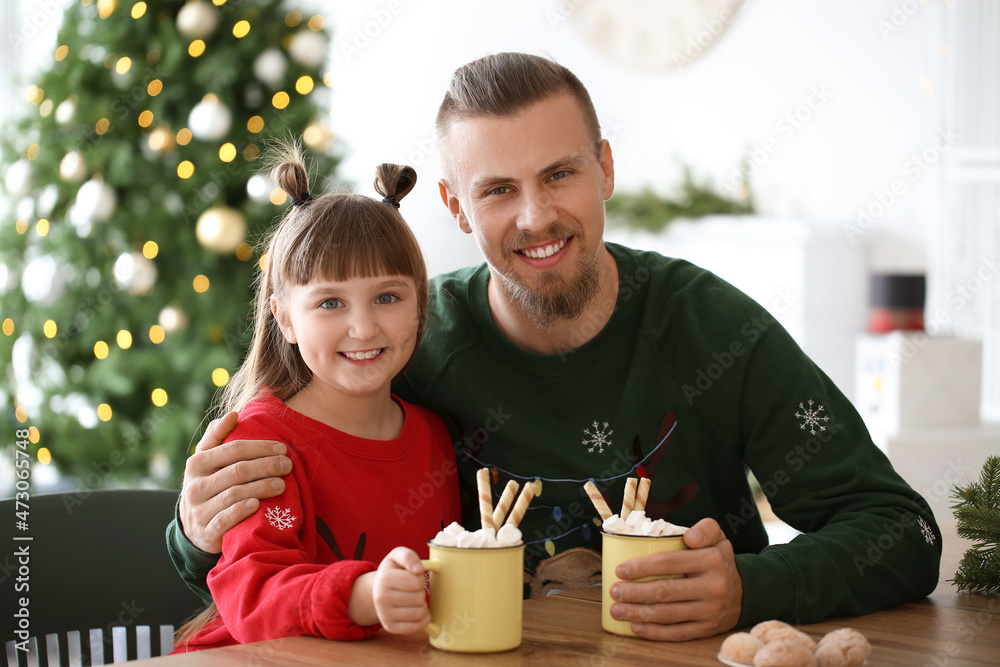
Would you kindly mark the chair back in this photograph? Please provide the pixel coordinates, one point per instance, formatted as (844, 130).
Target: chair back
(86, 577)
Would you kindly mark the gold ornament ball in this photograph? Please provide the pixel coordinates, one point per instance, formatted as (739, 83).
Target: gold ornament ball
(221, 229)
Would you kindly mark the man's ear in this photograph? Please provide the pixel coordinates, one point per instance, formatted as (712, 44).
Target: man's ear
(281, 317)
(450, 199)
(608, 169)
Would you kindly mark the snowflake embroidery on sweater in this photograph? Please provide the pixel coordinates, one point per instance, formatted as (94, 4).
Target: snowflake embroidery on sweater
(926, 530)
(279, 518)
(599, 439)
(812, 417)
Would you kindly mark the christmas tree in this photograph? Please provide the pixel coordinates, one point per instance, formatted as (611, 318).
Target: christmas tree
(978, 515)
(128, 254)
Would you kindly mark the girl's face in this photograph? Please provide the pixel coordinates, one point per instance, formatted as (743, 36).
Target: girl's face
(354, 335)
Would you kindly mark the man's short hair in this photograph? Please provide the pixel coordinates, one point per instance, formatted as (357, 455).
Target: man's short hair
(503, 84)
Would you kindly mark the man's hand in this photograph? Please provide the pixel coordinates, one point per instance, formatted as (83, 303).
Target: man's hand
(224, 482)
(706, 602)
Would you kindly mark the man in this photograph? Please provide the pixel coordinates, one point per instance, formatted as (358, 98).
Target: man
(564, 359)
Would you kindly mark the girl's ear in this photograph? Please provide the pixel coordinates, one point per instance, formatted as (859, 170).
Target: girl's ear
(281, 317)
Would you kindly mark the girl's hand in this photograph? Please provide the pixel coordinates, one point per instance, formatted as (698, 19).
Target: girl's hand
(398, 592)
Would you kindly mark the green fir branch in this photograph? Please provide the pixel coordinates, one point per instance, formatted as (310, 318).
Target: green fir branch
(978, 514)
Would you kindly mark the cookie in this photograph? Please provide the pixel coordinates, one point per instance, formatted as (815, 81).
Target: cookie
(740, 647)
(784, 653)
(770, 631)
(845, 647)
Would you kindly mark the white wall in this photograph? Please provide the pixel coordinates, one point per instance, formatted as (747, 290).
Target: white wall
(391, 61)
(710, 114)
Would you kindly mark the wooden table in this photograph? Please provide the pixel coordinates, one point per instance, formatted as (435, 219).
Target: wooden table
(945, 629)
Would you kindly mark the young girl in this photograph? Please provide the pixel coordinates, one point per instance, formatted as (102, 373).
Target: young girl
(340, 307)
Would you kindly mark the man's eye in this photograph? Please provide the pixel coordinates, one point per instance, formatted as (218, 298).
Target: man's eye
(562, 173)
(501, 190)
(386, 299)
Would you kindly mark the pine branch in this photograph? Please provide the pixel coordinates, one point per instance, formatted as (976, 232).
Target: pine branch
(978, 515)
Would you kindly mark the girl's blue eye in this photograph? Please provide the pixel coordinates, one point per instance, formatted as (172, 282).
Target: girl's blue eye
(386, 299)
(331, 304)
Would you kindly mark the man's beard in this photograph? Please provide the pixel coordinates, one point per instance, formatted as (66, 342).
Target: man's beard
(554, 299)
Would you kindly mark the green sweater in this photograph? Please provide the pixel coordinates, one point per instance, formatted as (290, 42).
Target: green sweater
(690, 382)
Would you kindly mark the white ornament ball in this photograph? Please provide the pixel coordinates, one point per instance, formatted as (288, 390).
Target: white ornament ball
(65, 111)
(95, 202)
(172, 319)
(41, 282)
(259, 189)
(17, 180)
(308, 48)
(73, 169)
(48, 199)
(197, 20)
(221, 229)
(209, 120)
(269, 67)
(135, 273)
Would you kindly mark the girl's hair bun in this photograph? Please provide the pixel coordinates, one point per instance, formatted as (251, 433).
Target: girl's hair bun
(394, 181)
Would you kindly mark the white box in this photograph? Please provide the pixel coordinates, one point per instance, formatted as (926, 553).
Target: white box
(933, 460)
(910, 380)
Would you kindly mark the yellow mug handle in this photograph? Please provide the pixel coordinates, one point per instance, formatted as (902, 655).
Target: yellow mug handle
(432, 629)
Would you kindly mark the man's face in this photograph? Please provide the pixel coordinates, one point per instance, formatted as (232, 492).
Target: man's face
(531, 188)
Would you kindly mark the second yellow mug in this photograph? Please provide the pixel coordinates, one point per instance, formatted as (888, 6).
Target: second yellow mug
(619, 548)
(476, 598)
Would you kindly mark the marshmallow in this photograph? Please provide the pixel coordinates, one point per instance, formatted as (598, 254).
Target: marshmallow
(614, 524)
(445, 539)
(635, 518)
(484, 538)
(638, 523)
(454, 528)
(509, 536)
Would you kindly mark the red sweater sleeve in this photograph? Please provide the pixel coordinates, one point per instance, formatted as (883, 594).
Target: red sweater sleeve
(266, 586)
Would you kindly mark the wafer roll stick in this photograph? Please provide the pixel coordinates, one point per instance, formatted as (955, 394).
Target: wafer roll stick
(598, 500)
(485, 498)
(521, 506)
(506, 498)
(642, 494)
(628, 501)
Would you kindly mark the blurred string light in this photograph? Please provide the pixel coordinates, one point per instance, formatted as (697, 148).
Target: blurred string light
(220, 376)
(159, 397)
(101, 349)
(44, 456)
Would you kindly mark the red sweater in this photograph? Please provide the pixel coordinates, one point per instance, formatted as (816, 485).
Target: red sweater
(288, 569)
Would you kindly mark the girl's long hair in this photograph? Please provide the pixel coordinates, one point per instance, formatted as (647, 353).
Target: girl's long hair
(336, 236)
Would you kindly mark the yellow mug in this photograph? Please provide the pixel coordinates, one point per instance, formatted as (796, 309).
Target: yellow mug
(476, 598)
(620, 548)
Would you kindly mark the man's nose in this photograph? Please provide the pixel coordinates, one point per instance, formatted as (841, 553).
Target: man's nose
(538, 211)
